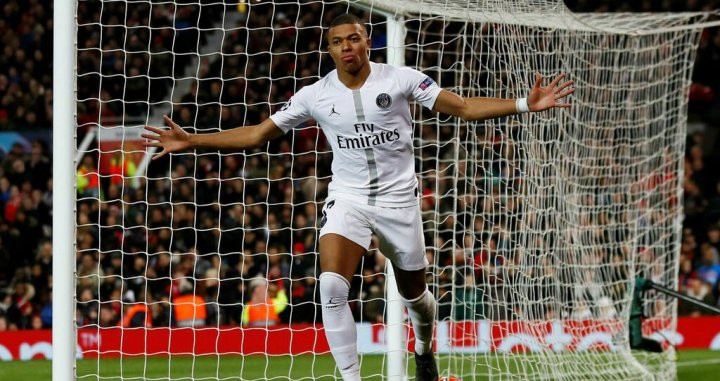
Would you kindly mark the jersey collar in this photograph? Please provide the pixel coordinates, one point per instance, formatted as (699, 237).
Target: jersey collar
(336, 80)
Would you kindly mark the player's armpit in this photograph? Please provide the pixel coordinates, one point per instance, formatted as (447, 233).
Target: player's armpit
(268, 130)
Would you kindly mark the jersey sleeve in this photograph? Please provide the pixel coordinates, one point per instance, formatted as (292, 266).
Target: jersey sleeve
(296, 111)
(419, 86)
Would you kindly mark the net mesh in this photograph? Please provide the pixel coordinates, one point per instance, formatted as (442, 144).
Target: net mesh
(550, 216)
(536, 225)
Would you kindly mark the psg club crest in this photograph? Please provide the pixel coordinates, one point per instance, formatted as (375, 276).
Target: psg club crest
(383, 101)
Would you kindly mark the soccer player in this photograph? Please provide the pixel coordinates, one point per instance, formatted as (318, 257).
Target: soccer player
(363, 109)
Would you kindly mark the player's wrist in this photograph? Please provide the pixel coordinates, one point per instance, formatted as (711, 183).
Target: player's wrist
(192, 141)
(521, 105)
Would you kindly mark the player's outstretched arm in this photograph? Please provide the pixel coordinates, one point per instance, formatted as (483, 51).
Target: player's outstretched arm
(541, 98)
(175, 139)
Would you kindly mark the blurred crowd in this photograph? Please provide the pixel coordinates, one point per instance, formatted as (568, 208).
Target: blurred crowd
(27, 53)
(219, 239)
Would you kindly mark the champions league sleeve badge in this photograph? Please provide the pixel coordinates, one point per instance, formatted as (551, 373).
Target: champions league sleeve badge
(427, 82)
(383, 101)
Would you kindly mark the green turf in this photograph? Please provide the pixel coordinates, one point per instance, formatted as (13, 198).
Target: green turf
(692, 365)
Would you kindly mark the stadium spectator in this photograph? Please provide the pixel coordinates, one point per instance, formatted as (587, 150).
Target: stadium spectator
(709, 269)
(136, 312)
(87, 307)
(4, 326)
(189, 309)
(266, 303)
(21, 307)
(700, 290)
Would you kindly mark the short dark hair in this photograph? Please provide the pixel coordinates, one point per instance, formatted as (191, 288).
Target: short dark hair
(347, 18)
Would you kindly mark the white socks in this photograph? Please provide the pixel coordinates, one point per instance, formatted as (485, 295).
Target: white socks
(422, 314)
(339, 324)
(340, 327)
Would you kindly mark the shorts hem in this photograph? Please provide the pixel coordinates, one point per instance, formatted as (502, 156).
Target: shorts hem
(410, 269)
(366, 247)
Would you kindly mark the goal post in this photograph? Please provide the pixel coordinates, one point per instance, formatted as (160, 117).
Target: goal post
(536, 225)
(64, 132)
(397, 347)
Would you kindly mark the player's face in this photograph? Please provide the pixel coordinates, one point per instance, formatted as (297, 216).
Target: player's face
(348, 45)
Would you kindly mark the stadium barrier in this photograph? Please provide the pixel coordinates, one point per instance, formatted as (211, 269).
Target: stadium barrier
(470, 336)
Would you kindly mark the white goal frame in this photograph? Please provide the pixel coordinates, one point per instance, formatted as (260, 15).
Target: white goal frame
(64, 332)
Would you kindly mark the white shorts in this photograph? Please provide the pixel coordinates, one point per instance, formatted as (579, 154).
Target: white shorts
(399, 229)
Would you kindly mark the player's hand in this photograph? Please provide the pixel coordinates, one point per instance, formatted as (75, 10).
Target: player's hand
(170, 140)
(544, 98)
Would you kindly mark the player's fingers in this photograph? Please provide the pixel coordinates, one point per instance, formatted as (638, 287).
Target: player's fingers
(538, 80)
(169, 122)
(151, 144)
(564, 93)
(154, 129)
(151, 137)
(557, 80)
(159, 155)
(564, 85)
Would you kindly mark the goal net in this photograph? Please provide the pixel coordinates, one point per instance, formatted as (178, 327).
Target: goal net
(203, 265)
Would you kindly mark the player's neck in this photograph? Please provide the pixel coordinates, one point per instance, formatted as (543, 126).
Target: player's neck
(354, 81)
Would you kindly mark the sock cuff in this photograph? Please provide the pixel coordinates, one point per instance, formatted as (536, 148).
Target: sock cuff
(334, 275)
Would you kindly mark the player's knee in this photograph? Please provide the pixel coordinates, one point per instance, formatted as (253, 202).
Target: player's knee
(334, 290)
(411, 284)
(412, 291)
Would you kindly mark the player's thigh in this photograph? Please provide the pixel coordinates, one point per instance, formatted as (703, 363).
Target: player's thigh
(403, 243)
(344, 237)
(340, 255)
(411, 284)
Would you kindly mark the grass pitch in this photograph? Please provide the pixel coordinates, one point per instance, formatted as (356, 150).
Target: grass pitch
(692, 365)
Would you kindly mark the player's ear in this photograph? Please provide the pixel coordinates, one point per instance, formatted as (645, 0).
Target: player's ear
(326, 41)
(368, 40)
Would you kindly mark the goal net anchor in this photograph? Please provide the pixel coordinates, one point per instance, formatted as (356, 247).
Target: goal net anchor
(637, 341)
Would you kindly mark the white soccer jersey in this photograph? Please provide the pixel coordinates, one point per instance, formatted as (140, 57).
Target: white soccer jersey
(369, 130)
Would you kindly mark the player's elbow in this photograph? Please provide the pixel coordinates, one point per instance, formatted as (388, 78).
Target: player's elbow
(263, 133)
(461, 112)
(257, 137)
(464, 112)
(462, 109)
(255, 140)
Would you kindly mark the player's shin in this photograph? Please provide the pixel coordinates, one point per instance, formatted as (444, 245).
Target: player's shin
(422, 314)
(339, 324)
